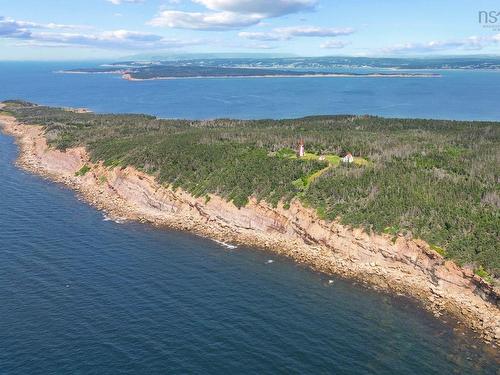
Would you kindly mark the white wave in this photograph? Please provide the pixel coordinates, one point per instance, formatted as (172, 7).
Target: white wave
(226, 245)
(118, 220)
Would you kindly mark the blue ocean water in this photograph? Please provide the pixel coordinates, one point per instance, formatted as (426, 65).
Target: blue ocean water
(468, 95)
(83, 295)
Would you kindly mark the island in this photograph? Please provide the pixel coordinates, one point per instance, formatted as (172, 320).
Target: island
(407, 206)
(189, 67)
(188, 70)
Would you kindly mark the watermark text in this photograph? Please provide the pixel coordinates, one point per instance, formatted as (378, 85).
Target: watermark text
(489, 19)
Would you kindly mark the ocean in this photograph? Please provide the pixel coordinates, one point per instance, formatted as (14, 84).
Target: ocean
(82, 294)
(460, 95)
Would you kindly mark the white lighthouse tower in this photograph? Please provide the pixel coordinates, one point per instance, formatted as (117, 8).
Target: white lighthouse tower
(301, 148)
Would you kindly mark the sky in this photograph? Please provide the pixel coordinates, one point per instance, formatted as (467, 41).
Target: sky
(109, 29)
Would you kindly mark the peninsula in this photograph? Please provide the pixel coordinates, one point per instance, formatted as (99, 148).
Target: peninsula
(196, 66)
(136, 72)
(408, 206)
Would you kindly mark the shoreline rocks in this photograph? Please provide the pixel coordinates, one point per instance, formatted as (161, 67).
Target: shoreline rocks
(401, 267)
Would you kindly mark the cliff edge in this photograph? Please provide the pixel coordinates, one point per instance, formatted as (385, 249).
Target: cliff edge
(398, 265)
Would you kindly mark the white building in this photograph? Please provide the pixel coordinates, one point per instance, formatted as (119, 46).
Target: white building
(348, 158)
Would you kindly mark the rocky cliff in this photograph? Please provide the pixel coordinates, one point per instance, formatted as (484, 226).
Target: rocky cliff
(397, 265)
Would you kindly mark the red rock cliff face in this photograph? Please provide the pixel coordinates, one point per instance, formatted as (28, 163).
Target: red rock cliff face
(403, 266)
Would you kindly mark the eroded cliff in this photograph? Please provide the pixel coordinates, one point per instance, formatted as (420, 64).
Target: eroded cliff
(398, 264)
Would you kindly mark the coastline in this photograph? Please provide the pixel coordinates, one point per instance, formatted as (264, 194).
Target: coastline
(404, 266)
(128, 76)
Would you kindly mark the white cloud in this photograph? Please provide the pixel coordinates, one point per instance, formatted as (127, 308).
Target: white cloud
(287, 33)
(230, 14)
(260, 46)
(117, 39)
(262, 36)
(13, 28)
(470, 43)
(119, 2)
(264, 8)
(334, 44)
(314, 31)
(34, 33)
(204, 21)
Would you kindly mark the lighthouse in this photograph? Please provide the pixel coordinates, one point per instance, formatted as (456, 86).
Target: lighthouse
(301, 148)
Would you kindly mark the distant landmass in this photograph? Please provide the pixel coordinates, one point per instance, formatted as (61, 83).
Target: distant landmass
(227, 67)
(325, 62)
(151, 72)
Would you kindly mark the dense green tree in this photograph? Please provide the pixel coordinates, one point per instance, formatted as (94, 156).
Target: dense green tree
(431, 179)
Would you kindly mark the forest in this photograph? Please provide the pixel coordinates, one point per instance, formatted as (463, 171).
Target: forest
(189, 70)
(437, 180)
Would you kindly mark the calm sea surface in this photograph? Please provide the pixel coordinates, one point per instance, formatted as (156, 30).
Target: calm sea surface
(470, 95)
(80, 294)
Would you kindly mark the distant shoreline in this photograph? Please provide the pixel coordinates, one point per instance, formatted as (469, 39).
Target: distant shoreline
(129, 76)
